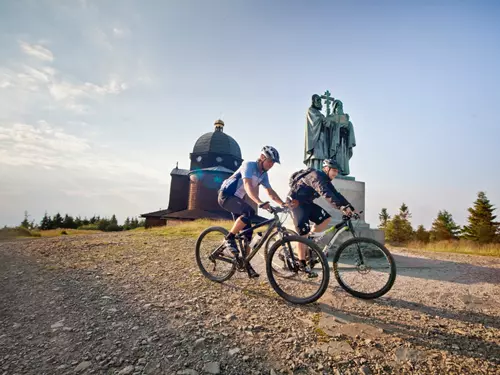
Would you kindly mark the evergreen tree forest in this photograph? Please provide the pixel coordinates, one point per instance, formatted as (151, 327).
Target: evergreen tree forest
(481, 227)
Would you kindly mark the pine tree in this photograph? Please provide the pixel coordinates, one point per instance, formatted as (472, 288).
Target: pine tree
(126, 224)
(45, 223)
(444, 227)
(78, 222)
(481, 225)
(103, 224)
(398, 230)
(113, 220)
(57, 221)
(134, 223)
(384, 217)
(404, 212)
(421, 234)
(25, 223)
(68, 222)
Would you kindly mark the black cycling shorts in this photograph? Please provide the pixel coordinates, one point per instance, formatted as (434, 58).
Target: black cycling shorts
(306, 212)
(236, 205)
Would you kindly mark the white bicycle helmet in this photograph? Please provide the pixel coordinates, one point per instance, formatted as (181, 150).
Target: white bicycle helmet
(271, 153)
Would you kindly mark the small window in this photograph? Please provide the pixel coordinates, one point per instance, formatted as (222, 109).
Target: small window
(198, 159)
(219, 159)
(235, 163)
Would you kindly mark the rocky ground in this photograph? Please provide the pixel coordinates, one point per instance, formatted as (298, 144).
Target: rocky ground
(135, 303)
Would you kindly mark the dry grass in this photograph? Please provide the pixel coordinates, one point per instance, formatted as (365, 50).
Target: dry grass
(189, 229)
(11, 233)
(63, 232)
(462, 247)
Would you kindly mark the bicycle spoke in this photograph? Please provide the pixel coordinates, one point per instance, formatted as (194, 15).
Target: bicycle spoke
(296, 284)
(364, 268)
(211, 257)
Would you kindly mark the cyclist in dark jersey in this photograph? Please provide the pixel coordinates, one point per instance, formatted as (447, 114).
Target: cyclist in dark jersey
(245, 181)
(307, 185)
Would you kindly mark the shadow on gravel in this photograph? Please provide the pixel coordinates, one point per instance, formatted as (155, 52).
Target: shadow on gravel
(445, 270)
(435, 336)
(466, 316)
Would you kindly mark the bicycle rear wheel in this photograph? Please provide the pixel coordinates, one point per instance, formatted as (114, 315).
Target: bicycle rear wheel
(364, 268)
(285, 277)
(211, 258)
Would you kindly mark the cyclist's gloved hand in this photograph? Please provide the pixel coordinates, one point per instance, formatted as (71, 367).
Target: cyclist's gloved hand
(292, 203)
(347, 210)
(264, 205)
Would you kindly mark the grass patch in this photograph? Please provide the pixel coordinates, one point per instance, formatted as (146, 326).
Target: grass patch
(19, 232)
(189, 229)
(460, 246)
(315, 318)
(65, 232)
(322, 336)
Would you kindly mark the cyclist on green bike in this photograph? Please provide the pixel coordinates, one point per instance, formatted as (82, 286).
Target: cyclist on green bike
(245, 181)
(307, 185)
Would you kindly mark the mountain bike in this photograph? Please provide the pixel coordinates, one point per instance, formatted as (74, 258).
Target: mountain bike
(289, 280)
(359, 259)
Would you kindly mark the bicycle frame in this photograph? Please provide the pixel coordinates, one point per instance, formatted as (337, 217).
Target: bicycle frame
(338, 229)
(274, 223)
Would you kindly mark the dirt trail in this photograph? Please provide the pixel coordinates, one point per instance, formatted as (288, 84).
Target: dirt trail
(135, 303)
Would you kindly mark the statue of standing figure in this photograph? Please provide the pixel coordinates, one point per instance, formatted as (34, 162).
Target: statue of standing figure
(330, 136)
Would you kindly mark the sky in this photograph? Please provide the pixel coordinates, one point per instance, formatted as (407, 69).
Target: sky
(99, 100)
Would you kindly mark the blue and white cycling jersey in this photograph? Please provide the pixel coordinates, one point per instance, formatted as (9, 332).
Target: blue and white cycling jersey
(248, 169)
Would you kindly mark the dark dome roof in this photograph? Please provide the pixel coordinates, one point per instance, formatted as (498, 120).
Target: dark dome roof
(217, 142)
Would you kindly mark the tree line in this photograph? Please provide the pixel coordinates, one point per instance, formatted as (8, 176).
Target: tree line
(58, 221)
(481, 226)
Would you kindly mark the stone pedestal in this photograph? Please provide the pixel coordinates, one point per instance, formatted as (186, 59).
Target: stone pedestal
(354, 191)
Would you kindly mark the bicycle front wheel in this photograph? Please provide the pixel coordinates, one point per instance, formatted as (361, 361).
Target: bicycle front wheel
(274, 237)
(293, 283)
(364, 268)
(211, 257)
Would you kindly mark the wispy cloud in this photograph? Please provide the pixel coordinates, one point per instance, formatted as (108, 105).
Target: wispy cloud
(120, 32)
(71, 94)
(37, 51)
(46, 146)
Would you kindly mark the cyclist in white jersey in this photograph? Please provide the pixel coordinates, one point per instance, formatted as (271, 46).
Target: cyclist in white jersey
(245, 181)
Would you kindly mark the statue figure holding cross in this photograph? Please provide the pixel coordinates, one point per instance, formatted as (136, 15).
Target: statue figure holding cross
(330, 136)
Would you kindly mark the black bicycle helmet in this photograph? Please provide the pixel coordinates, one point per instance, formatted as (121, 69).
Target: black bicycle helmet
(331, 163)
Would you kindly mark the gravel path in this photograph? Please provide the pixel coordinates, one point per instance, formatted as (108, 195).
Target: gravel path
(135, 303)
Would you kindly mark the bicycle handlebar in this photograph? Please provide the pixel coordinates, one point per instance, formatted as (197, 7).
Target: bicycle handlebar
(275, 210)
(286, 209)
(355, 215)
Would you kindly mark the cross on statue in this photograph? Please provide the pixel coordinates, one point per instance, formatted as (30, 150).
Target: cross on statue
(328, 99)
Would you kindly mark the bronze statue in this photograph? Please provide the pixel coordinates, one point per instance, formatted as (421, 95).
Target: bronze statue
(330, 136)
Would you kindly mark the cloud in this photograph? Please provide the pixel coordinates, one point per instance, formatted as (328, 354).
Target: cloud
(48, 168)
(120, 32)
(24, 78)
(37, 51)
(44, 145)
(38, 145)
(72, 95)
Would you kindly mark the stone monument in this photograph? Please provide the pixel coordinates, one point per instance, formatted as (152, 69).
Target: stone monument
(331, 135)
